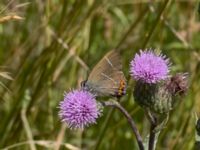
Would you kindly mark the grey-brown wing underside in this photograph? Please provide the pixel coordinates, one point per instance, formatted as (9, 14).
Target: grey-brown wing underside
(107, 74)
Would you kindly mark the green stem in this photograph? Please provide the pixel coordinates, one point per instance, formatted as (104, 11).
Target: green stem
(152, 137)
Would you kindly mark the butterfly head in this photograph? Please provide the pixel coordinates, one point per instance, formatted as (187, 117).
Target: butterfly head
(84, 85)
(87, 86)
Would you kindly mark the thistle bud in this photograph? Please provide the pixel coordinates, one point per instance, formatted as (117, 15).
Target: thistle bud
(161, 97)
(153, 96)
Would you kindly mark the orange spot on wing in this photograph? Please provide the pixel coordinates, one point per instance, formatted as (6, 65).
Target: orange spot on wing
(122, 86)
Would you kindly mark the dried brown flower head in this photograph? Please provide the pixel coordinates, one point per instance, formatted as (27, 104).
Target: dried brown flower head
(178, 84)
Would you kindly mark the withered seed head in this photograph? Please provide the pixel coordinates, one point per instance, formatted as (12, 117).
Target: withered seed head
(178, 84)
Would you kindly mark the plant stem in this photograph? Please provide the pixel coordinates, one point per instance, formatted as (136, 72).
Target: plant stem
(129, 119)
(152, 136)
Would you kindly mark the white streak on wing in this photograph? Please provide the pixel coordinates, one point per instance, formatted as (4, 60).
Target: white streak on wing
(109, 88)
(108, 77)
(109, 62)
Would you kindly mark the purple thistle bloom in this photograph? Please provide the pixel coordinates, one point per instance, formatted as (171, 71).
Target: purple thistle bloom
(79, 109)
(149, 67)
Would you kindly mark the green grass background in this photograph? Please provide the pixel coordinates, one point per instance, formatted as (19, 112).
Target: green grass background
(58, 42)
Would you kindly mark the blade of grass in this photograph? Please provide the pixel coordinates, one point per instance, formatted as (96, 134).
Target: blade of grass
(154, 25)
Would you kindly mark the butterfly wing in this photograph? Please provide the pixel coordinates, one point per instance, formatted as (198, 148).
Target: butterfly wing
(107, 77)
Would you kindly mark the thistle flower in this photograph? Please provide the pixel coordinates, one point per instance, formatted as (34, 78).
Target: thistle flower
(79, 109)
(150, 72)
(149, 67)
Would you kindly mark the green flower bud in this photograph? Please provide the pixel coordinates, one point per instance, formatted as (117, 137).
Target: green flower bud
(153, 96)
(161, 97)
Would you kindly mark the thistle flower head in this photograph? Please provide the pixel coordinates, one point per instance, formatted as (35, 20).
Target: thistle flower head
(149, 67)
(79, 109)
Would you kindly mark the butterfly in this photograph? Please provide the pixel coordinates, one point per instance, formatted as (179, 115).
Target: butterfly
(107, 78)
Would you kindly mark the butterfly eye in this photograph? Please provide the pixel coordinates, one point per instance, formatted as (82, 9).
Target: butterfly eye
(83, 84)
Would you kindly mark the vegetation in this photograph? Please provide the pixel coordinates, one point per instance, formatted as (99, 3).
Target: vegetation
(48, 47)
